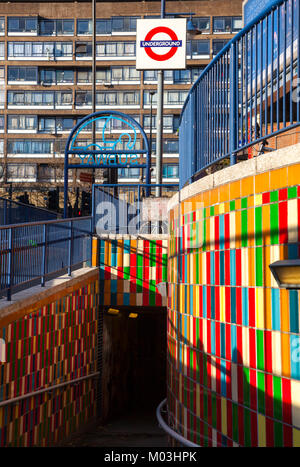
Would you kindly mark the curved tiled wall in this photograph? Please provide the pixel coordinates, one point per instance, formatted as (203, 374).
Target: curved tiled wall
(233, 335)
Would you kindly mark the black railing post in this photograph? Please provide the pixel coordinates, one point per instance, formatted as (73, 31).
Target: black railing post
(44, 260)
(70, 249)
(10, 264)
(232, 107)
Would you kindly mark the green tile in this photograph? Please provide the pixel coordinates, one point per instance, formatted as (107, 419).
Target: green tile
(244, 203)
(278, 434)
(258, 226)
(212, 211)
(277, 397)
(292, 192)
(273, 196)
(246, 384)
(247, 427)
(244, 227)
(259, 267)
(274, 222)
(232, 205)
(235, 423)
(260, 349)
(261, 392)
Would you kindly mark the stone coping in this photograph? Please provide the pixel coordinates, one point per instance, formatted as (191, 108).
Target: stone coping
(257, 165)
(31, 299)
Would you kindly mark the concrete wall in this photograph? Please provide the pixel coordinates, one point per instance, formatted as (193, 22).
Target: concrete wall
(50, 337)
(233, 335)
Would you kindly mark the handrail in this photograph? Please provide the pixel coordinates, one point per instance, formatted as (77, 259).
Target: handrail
(228, 45)
(169, 430)
(48, 389)
(245, 94)
(54, 221)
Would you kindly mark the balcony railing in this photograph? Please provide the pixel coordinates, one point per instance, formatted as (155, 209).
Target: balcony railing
(247, 94)
(34, 252)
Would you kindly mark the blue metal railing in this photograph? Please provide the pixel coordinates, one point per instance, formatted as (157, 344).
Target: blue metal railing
(13, 212)
(246, 94)
(34, 252)
(119, 209)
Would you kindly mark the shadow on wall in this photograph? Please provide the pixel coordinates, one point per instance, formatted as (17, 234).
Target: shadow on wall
(223, 402)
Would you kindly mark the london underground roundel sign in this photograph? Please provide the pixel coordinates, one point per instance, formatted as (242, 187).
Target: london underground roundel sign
(161, 44)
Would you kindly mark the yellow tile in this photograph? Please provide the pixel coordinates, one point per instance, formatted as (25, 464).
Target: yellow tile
(296, 438)
(259, 307)
(261, 431)
(221, 208)
(257, 200)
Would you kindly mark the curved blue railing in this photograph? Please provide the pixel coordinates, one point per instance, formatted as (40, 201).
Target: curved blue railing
(244, 95)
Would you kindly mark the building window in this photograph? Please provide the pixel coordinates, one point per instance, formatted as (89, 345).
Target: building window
(56, 27)
(182, 76)
(29, 146)
(21, 172)
(83, 98)
(21, 122)
(171, 146)
(46, 172)
(151, 75)
(85, 76)
(40, 49)
(218, 46)
(129, 173)
(124, 24)
(203, 24)
(118, 98)
(115, 49)
(2, 74)
(170, 122)
(50, 76)
(170, 171)
(170, 97)
(22, 73)
(107, 26)
(227, 24)
(1, 122)
(2, 49)
(22, 24)
(2, 98)
(198, 47)
(126, 73)
(52, 125)
(63, 98)
(1, 146)
(2, 25)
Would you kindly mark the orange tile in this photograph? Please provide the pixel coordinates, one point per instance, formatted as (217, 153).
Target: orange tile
(247, 186)
(293, 175)
(284, 310)
(285, 355)
(214, 196)
(262, 182)
(238, 204)
(251, 227)
(224, 193)
(251, 267)
(278, 178)
(235, 190)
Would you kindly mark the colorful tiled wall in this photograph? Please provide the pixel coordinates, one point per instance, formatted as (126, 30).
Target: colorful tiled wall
(233, 335)
(130, 268)
(49, 345)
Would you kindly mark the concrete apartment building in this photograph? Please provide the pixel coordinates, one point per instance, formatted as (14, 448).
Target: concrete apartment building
(46, 80)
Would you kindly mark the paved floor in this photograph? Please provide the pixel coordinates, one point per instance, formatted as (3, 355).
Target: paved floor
(128, 430)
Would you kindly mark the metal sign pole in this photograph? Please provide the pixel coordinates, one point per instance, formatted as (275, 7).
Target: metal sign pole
(159, 121)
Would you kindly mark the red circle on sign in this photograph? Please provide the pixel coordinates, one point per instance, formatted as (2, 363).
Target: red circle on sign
(171, 52)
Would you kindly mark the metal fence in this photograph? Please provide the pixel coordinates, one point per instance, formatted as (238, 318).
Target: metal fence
(130, 209)
(13, 212)
(248, 93)
(34, 252)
